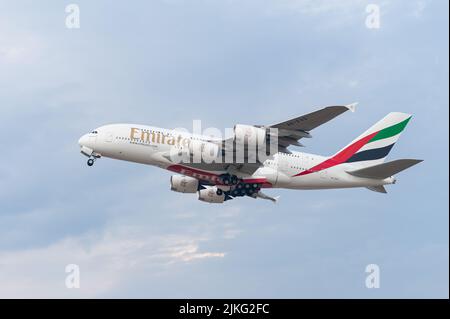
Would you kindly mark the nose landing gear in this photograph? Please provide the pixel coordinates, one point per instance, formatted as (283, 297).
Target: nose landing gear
(92, 159)
(91, 155)
(91, 162)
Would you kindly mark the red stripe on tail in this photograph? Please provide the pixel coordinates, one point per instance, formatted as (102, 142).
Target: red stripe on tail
(340, 157)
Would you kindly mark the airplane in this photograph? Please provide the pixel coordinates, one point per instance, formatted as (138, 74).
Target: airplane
(359, 164)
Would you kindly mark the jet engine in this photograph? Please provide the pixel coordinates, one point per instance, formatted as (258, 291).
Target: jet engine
(183, 184)
(249, 135)
(209, 195)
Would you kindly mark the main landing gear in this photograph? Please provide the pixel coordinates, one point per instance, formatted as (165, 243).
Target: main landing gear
(244, 189)
(229, 180)
(237, 187)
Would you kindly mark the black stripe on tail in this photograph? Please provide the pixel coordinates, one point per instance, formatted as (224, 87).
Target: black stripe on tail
(370, 155)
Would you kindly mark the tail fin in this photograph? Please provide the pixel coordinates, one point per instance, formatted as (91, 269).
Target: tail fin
(372, 147)
(385, 170)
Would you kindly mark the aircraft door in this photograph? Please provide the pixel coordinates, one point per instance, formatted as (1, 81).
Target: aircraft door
(109, 137)
(282, 162)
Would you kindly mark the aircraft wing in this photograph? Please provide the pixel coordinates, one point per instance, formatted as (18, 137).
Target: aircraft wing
(290, 131)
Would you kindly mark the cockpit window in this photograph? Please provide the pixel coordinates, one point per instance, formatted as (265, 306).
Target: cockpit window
(94, 132)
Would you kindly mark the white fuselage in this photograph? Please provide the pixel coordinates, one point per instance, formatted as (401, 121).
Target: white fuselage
(150, 145)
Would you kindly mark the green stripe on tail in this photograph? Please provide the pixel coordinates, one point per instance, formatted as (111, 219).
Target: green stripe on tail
(390, 131)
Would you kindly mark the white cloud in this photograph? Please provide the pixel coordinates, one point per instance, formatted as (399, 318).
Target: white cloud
(105, 261)
(18, 47)
(190, 252)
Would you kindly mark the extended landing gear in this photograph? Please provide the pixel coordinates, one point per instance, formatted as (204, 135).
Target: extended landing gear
(236, 187)
(91, 161)
(229, 180)
(244, 189)
(91, 155)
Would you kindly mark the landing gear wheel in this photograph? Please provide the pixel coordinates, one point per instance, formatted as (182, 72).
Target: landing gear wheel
(90, 162)
(234, 180)
(219, 192)
(226, 179)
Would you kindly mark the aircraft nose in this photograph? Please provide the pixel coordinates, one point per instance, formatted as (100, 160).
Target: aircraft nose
(83, 140)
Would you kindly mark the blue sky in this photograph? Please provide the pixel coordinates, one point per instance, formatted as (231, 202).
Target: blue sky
(166, 63)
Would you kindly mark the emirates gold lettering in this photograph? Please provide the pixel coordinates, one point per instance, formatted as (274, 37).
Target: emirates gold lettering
(133, 133)
(146, 136)
(171, 141)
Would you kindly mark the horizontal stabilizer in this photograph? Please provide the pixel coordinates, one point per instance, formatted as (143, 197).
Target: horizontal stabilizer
(378, 189)
(264, 196)
(385, 170)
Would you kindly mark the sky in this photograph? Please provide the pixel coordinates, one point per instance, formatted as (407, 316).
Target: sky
(168, 62)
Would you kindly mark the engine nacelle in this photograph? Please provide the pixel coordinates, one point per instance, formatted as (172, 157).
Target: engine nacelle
(209, 195)
(183, 184)
(249, 135)
(205, 151)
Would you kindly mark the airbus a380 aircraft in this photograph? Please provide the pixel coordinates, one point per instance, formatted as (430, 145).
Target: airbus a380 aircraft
(360, 164)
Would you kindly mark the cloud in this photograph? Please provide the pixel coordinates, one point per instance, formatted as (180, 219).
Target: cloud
(105, 260)
(18, 47)
(190, 252)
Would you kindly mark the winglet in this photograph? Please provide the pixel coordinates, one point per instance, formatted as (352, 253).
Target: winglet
(352, 107)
